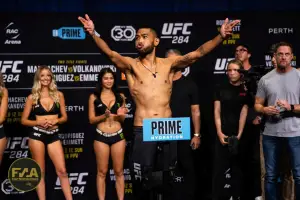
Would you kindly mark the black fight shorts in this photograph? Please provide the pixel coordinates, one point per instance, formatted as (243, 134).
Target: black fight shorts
(45, 136)
(109, 138)
(143, 154)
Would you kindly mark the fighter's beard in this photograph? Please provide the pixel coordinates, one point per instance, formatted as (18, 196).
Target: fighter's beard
(147, 51)
(281, 68)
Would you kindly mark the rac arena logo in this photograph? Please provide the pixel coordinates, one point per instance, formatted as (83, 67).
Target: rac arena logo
(12, 34)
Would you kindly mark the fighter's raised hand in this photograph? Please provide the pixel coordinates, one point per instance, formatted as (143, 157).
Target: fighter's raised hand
(88, 24)
(121, 62)
(227, 28)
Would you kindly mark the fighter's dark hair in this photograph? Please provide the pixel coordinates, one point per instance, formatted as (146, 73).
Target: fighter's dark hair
(151, 29)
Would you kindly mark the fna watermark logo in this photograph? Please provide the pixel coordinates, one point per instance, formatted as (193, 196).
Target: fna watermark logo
(24, 174)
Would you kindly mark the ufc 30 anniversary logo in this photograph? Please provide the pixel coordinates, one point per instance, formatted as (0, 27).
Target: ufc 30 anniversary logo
(123, 33)
(24, 174)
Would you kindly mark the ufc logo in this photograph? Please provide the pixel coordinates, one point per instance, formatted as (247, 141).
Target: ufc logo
(13, 142)
(128, 106)
(9, 64)
(186, 71)
(221, 65)
(174, 28)
(78, 177)
(37, 134)
(137, 170)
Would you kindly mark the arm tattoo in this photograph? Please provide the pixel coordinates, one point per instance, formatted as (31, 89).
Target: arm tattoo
(202, 50)
(186, 58)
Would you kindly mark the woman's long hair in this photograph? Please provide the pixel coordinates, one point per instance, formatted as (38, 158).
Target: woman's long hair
(2, 85)
(99, 86)
(36, 89)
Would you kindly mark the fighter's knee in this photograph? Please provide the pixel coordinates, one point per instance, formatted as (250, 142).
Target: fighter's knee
(119, 173)
(102, 173)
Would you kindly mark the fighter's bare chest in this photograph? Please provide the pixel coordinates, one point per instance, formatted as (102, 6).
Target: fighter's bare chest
(155, 72)
(156, 78)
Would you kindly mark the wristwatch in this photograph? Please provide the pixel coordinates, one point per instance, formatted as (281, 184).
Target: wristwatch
(197, 135)
(292, 107)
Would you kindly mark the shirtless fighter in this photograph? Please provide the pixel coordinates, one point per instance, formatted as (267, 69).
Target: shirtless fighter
(150, 81)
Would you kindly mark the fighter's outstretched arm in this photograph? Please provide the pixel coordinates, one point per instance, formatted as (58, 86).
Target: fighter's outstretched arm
(190, 58)
(121, 62)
